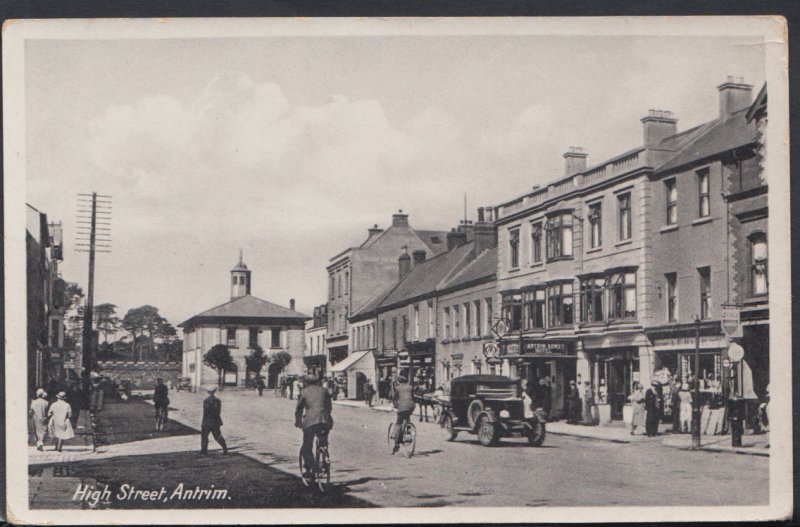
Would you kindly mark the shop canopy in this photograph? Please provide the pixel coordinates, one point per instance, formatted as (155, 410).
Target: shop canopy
(349, 361)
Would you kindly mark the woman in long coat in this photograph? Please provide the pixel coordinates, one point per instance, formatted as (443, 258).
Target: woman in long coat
(639, 412)
(588, 404)
(39, 413)
(573, 404)
(60, 425)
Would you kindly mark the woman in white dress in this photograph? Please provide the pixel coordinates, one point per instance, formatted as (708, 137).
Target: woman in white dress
(60, 425)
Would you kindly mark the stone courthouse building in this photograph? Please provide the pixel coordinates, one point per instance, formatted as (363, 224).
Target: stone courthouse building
(242, 323)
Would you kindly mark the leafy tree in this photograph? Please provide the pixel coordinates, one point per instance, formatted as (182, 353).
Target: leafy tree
(74, 313)
(283, 358)
(106, 320)
(218, 358)
(141, 322)
(256, 360)
(164, 333)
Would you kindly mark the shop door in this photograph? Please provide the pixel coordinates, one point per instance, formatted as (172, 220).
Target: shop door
(361, 383)
(618, 383)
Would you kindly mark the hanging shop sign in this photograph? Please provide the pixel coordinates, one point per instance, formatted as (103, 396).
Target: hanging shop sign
(404, 358)
(501, 327)
(730, 319)
(491, 350)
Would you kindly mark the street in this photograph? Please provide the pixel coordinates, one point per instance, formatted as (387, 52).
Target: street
(566, 471)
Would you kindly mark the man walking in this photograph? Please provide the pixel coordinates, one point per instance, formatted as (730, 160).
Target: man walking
(652, 403)
(161, 400)
(260, 385)
(39, 414)
(369, 393)
(212, 421)
(573, 404)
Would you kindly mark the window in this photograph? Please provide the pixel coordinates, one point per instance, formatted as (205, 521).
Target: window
(672, 296)
(330, 287)
(241, 280)
(416, 322)
(234, 280)
(534, 308)
(705, 292)
(467, 320)
(346, 282)
(559, 236)
(479, 330)
(672, 202)
(339, 283)
(592, 299)
(759, 284)
(383, 333)
(456, 322)
(595, 224)
(536, 242)
(625, 216)
(512, 310)
(447, 323)
(702, 183)
(622, 295)
(489, 316)
(560, 304)
(394, 333)
(253, 340)
(514, 246)
(404, 332)
(231, 337)
(275, 338)
(431, 321)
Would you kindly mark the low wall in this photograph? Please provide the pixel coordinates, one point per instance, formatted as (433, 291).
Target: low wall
(142, 375)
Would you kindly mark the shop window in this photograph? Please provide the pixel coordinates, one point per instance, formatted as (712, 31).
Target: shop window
(672, 201)
(559, 297)
(534, 308)
(231, 337)
(275, 338)
(559, 236)
(622, 297)
(512, 310)
(513, 243)
(624, 216)
(252, 341)
(672, 296)
(759, 284)
(705, 292)
(592, 299)
(595, 225)
(704, 204)
(536, 242)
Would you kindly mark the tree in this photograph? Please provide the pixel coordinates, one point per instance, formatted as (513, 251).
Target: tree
(74, 313)
(106, 320)
(218, 358)
(164, 333)
(140, 322)
(282, 358)
(256, 360)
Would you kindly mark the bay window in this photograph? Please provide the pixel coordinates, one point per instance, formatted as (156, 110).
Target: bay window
(512, 310)
(534, 306)
(622, 295)
(592, 299)
(559, 297)
(758, 264)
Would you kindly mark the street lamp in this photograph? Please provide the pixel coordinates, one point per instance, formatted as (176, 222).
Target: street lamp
(696, 396)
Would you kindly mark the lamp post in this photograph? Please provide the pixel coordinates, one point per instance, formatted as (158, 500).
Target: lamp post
(696, 395)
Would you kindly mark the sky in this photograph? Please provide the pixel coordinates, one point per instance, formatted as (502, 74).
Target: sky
(290, 148)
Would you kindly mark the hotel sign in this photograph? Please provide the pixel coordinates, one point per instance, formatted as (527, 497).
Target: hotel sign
(685, 343)
(530, 347)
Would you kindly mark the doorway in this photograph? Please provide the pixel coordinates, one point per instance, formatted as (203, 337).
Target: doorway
(272, 375)
(361, 383)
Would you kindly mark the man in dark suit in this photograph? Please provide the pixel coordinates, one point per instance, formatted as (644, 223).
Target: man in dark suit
(404, 402)
(653, 404)
(313, 415)
(212, 420)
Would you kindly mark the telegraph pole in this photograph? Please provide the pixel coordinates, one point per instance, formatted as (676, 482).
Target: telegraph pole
(94, 227)
(696, 396)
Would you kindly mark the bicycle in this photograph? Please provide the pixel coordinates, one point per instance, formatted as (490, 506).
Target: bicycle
(322, 475)
(408, 441)
(161, 418)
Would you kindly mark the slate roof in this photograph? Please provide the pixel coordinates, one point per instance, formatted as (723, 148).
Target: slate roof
(246, 310)
(431, 237)
(372, 304)
(714, 138)
(482, 267)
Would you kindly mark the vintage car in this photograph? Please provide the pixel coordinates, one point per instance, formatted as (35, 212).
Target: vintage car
(490, 406)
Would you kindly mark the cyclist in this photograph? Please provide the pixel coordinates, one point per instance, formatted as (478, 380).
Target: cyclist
(161, 399)
(313, 415)
(404, 402)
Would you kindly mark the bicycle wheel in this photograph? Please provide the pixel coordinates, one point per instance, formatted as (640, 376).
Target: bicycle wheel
(409, 442)
(306, 480)
(323, 475)
(390, 436)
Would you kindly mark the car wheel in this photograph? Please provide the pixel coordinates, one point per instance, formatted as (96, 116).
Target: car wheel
(536, 434)
(487, 434)
(473, 411)
(446, 427)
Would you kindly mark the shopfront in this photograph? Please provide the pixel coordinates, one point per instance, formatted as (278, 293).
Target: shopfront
(417, 363)
(315, 365)
(387, 373)
(614, 375)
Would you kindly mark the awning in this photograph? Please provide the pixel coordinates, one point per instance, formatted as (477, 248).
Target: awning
(349, 361)
(314, 360)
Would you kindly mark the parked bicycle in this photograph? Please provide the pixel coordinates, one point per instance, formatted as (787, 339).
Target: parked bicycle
(408, 439)
(321, 474)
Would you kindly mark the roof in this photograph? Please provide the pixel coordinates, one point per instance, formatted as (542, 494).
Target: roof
(372, 304)
(482, 267)
(759, 106)
(427, 276)
(715, 138)
(246, 308)
(349, 361)
(435, 240)
(482, 378)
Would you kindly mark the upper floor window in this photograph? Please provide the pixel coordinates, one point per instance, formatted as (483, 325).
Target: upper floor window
(456, 322)
(431, 321)
(394, 333)
(595, 224)
(478, 320)
(592, 299)
(536, 242)
(513, 243)
(416, 322)
(404, 332)
(559, 298)
(346, 282)
(383, 333)
(559, 235)
(672, 296)
(672, 201)
(704, 204)
(622, 295)
(759, 283)
(467, 320)
(253, 338)
(231, 337)
(489, 315)
(624, 216)
(705, 292)
(234, 280)
(534, 308)
(330, 287)
(275, 340)
(512, 310)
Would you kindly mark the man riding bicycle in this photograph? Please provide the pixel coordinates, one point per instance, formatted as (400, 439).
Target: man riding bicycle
(161, 399)
(313, 415)
(404, 403)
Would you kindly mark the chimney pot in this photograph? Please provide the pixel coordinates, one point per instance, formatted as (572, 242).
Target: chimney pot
(734, 95)
(404, 263)
(291, 304)
(418, 256)
(400, 219)
(574, 161)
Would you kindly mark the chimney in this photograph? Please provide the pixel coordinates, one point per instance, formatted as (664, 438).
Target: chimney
(400, 219)
(468, 228)
(455, 238)
(489, 213)
(658, 125)
(291, 304)
(574, 161)
(404, 263)
(481, 215)
(485, 234)
(418, 256)
(374, 231)
(734, 95)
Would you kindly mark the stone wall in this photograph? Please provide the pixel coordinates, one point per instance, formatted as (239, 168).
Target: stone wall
(143, 375)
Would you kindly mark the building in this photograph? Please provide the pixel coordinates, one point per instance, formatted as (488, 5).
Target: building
(585, 262)
(357, 272)
(46, 300)
(315, 356)
(241, 324)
